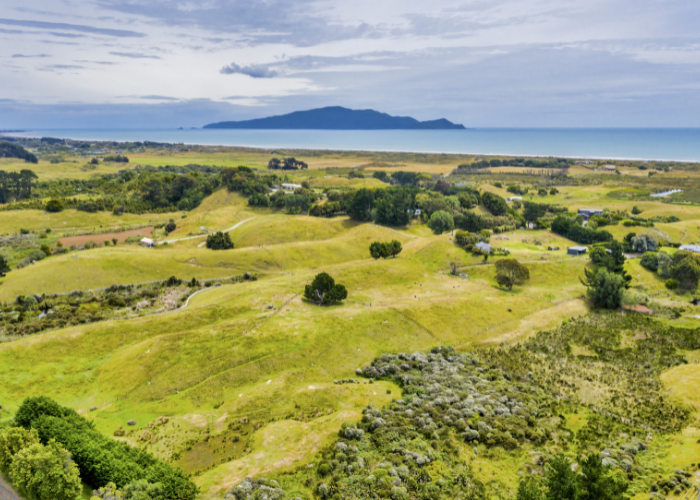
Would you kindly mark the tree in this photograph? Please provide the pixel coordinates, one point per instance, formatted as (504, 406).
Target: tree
(664, 267)
(395, 248)
(441, 222)
(324, 290)
(115, 241)
(529, 490)
(46, 472)
(605, 289)
(644, 243)
(375, 249)
(4, 266)
(560, 480)
(45, 248)
(274, 164)
(510, 272)
(686, 272)
(494, 203)
(219, 241)
(469, 221)
(597, 483)
(54, 205)
(12, 440)
(170, 227)
(650, 261)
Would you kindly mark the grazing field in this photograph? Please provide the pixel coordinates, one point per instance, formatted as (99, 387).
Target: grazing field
(256, 381)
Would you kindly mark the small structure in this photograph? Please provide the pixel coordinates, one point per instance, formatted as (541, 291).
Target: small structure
(584, 162)
(290, 187)
(509, 200)
(576, 250)
(690, 248)
(610, 168)
(587, 213)
(147, 242)
(483, 247)
(552, 249)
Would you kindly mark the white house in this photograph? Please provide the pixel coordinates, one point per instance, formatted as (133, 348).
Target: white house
(147, 242)
(290, 187)
(690, 248)
(610, 168)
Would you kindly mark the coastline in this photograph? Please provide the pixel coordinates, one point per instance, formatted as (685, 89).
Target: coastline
(198, 137)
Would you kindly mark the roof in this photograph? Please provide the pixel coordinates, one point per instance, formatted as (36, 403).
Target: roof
(690, 248)
(578, 249)
(146, 240)
(484, 247)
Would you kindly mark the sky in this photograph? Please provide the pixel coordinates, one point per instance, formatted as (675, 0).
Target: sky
(482, 63)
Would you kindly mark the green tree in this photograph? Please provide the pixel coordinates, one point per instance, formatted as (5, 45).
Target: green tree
(510, 272)
(494, 203)
(686, 269)
(324, 290)
(219, 241)
(45, 248)
(12, 440)
(54, 205)
(605, 289)
(597, 483)
(650, 261)
(395, 248)
(4, 266)
(375, 249)
(529, 490)
(115, 241)
(560, 480)
(46, 472)
(441, 222)
(664, 268)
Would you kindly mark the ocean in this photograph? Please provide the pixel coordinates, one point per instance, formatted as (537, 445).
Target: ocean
(634, 144)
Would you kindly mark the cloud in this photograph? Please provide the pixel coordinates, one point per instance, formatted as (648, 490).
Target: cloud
(24, 56)
(254, 71)
(134, 55)
(55, 67)
(72, 27)
(158, 98)
(66, 35)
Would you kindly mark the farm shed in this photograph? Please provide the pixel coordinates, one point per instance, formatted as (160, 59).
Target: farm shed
(576, 250)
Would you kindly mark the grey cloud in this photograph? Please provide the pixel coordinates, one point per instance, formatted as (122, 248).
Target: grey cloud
(24, 56)
(71, 27)
(134, 55)
(254, 71)
(158, 98)
(66, 35)
(12, 32)
(272, 21)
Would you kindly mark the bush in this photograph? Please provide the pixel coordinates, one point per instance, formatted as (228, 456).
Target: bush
(170, 227)
(650, 261)
(469, 221)
(569, 228)
(605, 289)
(671, 284)
(219, 241)
(510, 272)
(46, 472)
(385, 250)
(441, 222)
(45, 248)
(54, 205)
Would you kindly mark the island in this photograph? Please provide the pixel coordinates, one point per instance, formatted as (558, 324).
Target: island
(338, 118)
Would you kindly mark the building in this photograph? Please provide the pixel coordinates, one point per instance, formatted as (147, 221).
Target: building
(290, 187)
(552, 249)
(576, 250)
(147, 242)
(610, 168)
(587, 213)
(483, 247)
(690, 248)
(509, 200)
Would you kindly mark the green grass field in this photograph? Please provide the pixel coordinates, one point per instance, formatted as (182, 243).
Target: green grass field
(257, 350)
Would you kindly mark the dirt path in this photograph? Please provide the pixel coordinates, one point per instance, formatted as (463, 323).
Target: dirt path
(204, 235)
(6, 491)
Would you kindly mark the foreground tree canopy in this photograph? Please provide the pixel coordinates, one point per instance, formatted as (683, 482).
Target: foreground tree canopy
(510, 272)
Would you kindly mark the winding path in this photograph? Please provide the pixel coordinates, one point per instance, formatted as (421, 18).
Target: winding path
(6, 491)
(203, 235)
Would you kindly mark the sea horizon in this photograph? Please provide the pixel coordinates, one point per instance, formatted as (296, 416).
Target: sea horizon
(679, 144)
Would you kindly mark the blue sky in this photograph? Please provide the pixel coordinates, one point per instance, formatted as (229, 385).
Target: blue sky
(496, 63)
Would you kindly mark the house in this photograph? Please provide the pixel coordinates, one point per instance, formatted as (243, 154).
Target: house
(584, 162)
(147, 242)
(610, 168)
(690, 248)
(290, 187)
(576, 250)
(483, 247)
(587, 213)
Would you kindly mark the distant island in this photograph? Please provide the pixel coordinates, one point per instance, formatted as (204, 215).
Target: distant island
(338, 118)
